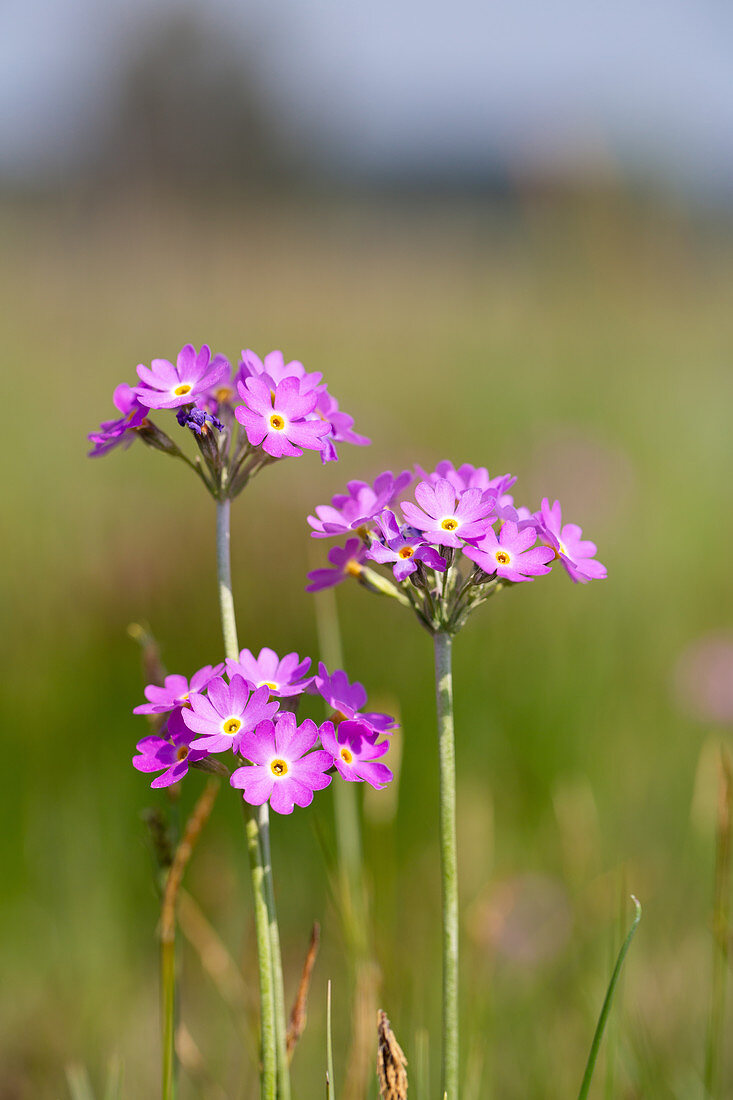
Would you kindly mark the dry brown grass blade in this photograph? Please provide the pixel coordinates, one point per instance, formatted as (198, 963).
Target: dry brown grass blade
(194, 825)
(391, 1062)
(298, 1016)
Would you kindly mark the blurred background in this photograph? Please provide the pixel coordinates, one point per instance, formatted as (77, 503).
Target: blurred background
(504, 233)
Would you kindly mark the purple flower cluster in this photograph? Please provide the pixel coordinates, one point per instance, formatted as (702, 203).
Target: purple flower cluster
(455, 514)
(239, 711)
(281, 410)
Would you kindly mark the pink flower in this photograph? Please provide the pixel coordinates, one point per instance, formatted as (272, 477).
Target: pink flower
(276, 419)
(354, 750)
(446, 516)
(283, 770)
(578, 555)
(226, 713)
(195, 374)
(510, 555)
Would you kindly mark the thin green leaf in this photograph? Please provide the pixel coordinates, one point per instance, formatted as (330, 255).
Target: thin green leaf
(603, 1018)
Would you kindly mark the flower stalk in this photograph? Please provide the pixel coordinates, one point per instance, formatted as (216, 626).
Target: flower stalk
(448, 862)
(275, 1078)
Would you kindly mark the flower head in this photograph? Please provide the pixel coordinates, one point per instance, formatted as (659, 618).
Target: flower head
(282, 677)
(512, 555)
(355, 750)
(578, 555)
(447, 517)
(227, 712)
(165, 386)
(361, 504)
(403, 548)
(276, 418)
(170, 755)
(176, 690)
(347, 699)
(113, 433)
(345, 562)
(283, 769)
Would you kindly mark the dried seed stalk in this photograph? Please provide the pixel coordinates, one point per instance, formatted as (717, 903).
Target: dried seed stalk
(391, 1062)
(298, 1014)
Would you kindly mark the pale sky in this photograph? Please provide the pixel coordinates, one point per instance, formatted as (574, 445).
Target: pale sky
(401, 83)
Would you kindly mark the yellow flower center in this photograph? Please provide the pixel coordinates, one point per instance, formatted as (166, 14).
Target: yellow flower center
(231, 726)
(406, 552)
(224, 393)
(277, 422)
(449, 524)
(346, 756)
(268, 684)
(182, 752)
(502, 557)
(353, 568)
(182, 390)
(279, 767)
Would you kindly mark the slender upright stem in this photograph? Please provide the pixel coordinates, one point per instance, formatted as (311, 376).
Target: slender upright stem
(254, 819)
(721, 910)
(168, 1013)
(448, 863)
(281, 1031)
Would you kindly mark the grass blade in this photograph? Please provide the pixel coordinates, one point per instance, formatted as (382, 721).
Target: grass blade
(80, 1087)
(605, 1010)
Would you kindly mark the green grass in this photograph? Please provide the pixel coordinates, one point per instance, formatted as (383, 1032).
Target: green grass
(586, 348)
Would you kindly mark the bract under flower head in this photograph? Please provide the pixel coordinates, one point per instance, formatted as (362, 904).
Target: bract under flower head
(361, 504)
(402, 548)
(282, 677)
(276, 419)
(227, 712)
(283, 769)
(510, 555)
(355, 750)
(577, 555)
(347, 699)
(346, 561)
(176, 690)
(170, 754)
(165, 386)
(447, 517)
(120, 432)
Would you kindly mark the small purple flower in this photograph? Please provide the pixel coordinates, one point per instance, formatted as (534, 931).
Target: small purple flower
(467, 477)
(165, 386)
(447, 517)
(578, 555)
(113, 433)
(172, 757)
(358, 506)
(345, 562)
(226, 713)
(404, 548)
(196, 419)
(355, 751)
(283, 769)
(281, 677)
(273, 370)
(176, 690)
(346, 699)
(507, 510)
(510, 555)
(276, 419)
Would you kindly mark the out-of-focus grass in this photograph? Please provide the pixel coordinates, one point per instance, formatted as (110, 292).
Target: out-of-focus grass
(586, 348)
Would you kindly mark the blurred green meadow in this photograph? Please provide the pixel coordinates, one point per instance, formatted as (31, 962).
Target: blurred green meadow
(582, 343)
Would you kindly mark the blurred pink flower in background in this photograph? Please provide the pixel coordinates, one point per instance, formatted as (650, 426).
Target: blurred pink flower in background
(703, 678)
(525, 921)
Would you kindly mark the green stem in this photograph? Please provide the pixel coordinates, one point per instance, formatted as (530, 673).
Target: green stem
(448, 863)
(281, 1031)
(716, 1023)
(254, 820)
(168, 1012)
